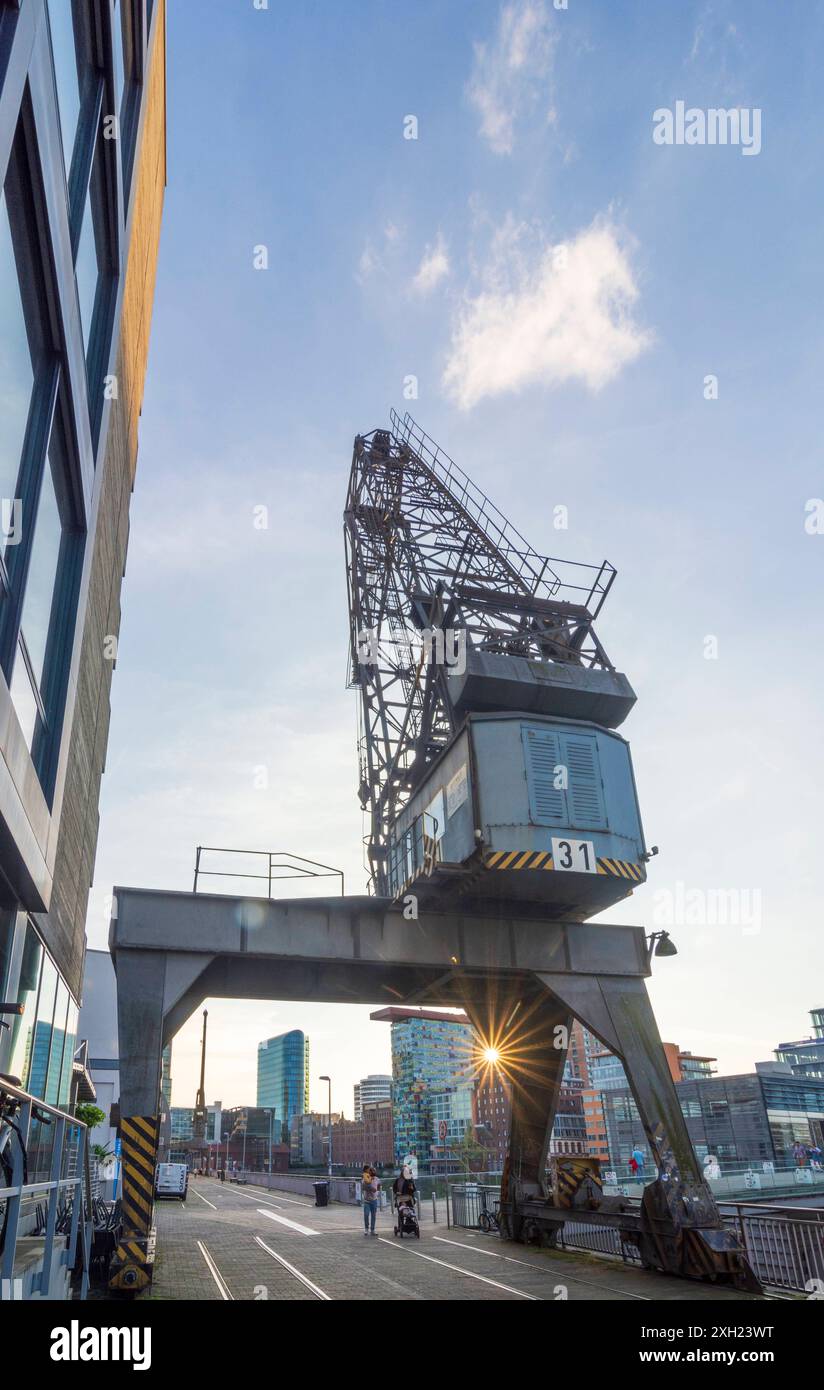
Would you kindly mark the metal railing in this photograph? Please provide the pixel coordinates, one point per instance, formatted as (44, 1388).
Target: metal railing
(46, 1202)
(467, 1200)
(784, 1245)
(296, 865)
(416, 850)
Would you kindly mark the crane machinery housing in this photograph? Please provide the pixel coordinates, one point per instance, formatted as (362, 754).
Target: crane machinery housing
(489, 758)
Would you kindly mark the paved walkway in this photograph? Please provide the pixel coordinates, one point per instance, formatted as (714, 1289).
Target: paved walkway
(228, 1242)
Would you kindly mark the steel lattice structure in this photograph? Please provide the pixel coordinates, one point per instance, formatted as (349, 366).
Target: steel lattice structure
(427, 550)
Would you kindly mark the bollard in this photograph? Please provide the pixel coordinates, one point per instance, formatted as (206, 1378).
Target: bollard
(434, 1208)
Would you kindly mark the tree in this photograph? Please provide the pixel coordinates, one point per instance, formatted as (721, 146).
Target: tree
(470, 1154)
(89, 1114)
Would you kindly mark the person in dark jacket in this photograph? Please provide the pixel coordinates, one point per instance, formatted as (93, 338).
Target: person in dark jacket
(403, 1188)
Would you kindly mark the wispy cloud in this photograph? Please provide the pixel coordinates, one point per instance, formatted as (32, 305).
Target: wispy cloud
(546, 315)
(433, 268)
(512, 70)
(374, 258)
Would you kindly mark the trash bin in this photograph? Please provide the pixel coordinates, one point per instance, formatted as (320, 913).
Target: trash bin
(321, 1194)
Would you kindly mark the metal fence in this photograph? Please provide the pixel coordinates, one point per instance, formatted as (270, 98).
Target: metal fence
(46, 1202)
(784, 1245)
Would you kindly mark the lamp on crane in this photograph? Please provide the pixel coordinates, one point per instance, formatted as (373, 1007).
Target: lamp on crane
(660, 943)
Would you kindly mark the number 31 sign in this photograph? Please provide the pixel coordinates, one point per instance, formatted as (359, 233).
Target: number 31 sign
(574, 856)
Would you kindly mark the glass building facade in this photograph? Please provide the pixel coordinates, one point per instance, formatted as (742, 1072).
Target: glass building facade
(82, 147)
(806, 1057)
(283, 1079)
(751, 1118)
(432, 1080)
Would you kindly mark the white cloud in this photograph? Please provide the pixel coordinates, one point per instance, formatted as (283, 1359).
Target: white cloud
(374, 260)
(432, 269)
(546, 315)
(510, 71)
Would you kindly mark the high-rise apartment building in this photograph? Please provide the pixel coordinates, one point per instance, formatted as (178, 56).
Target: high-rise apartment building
(283, 1078)
(82, 174)
(370, 1089)
(432, 1055)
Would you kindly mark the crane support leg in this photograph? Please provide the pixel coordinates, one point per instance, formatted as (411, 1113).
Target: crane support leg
(680, 1230)
(531, 1030)
(140, 1025)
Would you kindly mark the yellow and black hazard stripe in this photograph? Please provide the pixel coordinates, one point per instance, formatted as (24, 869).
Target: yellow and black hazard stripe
(621, 868)
(569, 1174)
(542, 859)
(135, 1251)
(519, 859)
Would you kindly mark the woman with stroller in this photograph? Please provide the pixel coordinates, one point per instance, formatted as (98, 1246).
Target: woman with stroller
(404, 1194)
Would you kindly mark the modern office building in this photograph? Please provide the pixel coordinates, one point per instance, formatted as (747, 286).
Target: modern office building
(283, 1078)
(755, 1117)
(371, 1089)
(181, 1128)
(309, 1139)
(82, 174)
(806, 1057)
(432, 1054)
(98, 1026)
(606, 1074)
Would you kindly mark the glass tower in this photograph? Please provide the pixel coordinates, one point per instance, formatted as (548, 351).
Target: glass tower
(283, 1078)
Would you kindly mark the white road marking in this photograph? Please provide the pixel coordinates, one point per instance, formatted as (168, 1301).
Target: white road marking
(458, 1269)
(552, 1274)
(251, 1197)
(225, 1292)
(295, 1201)
(307, 1283)
(204, 1199)
(284, 1221)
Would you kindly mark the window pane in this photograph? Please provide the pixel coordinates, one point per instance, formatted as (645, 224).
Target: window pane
(16, 371)
(117, 54)
(23, 698)
(58, 1041)
(68, 1056)
(42, 573)
(41, 1045)
(87, 270)
(64, 51)
(23, 1026)
(7, 924)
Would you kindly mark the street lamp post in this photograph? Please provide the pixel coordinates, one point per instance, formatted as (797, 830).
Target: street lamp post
(271, 1119)
(329, 1080)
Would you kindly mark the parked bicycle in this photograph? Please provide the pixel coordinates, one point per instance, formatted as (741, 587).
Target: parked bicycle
(490, 1221)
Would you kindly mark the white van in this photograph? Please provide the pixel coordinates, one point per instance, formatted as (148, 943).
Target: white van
(172, 1180)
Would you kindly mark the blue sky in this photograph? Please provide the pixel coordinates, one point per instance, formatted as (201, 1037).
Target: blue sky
(574, 378)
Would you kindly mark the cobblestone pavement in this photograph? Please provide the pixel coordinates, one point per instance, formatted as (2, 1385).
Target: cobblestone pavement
(228, 1242)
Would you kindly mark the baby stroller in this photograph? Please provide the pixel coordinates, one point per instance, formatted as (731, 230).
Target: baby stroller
(406, 1220)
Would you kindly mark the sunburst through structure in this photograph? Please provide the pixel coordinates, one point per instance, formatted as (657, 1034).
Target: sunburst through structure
(509, 1047)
